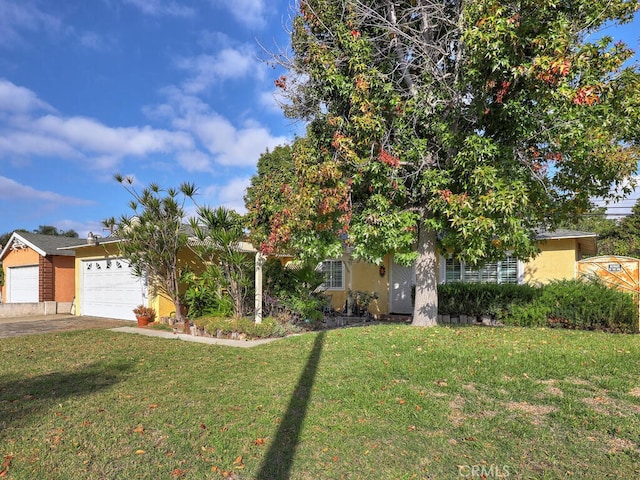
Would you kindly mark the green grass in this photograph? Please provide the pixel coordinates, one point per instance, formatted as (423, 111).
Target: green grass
(379, 402)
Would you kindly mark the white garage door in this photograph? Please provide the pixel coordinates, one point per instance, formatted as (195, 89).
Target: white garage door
(22, 284)
(110, 290)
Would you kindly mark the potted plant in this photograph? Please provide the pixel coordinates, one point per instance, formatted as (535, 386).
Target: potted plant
(144, 315)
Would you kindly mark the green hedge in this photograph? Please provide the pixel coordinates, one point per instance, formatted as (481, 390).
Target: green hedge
(268, 328)
(478, 299)
(577, 304)
(587, 305)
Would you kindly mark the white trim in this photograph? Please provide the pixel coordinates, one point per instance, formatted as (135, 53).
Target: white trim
(442, 270)
(342, 275)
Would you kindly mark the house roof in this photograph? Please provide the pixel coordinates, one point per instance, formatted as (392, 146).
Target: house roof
(42, 244)
(586, 240)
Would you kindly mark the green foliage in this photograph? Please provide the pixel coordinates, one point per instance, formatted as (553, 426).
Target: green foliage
(477, 299)
(568, 303)
(203, 295)
(153, 234)
(269, 327)
(482, 121)
(291, 293)
(586, 305)
(220, 235)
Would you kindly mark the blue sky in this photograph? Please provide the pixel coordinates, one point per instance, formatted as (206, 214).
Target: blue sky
(162, 90)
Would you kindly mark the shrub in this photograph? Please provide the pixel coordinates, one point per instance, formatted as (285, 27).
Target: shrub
(588, 305)
(478, 299)
(291, 293)
(203, 296)
(270, 326)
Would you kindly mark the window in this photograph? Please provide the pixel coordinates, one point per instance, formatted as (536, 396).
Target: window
(504, 271)
(333, 271)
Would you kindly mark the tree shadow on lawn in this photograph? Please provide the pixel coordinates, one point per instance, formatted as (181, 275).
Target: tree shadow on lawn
(22, 398)
(277, 464)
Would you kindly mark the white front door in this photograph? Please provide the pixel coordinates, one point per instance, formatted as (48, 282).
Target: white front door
(22, 284)
(402, 280)
(109, 289)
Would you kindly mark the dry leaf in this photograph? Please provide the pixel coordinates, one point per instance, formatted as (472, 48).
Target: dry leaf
(140, 452)
(259, 441)
(238, 460)
(154, 405)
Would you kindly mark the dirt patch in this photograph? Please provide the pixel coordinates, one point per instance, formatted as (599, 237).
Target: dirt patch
(618, 445)
(530, 409)
(606, 405)
(456, 416)
(536, 413)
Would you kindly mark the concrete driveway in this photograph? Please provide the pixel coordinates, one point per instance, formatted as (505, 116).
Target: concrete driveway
(20, 326)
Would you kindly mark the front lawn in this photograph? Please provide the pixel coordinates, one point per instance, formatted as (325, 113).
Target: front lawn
(377, 402)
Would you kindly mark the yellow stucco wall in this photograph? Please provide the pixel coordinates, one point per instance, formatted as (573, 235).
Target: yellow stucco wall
(17, 258)
(365, 278)
(556, 261)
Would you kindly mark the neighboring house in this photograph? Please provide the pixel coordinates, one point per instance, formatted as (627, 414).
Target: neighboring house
(393, 283)
(36, 271)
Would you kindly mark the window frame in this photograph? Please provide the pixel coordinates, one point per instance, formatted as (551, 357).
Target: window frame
(460, 273)
(331, 276)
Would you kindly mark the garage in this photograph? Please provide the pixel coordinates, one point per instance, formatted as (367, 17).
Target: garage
(109, 289)
(22, 284)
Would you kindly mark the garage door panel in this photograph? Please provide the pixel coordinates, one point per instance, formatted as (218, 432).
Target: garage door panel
(109, 289)
(23, 285)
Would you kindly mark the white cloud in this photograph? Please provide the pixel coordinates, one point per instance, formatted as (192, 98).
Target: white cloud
(195, 161)
(250, 13)
(228, 64)
(158, 8)
(10, 189)
(24, 133)
(231, 195)
(22, 16)
(91, 135)
(16, 99)
(226, 143)
(232, 146)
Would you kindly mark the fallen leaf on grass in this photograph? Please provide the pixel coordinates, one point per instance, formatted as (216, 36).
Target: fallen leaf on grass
(139, 429)
(259, 441)
(154, 405)
(238, 460)
(6, 463)
(178, 472)
(140, 452)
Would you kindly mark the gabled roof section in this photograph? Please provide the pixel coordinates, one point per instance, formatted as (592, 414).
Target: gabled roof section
(42, 244)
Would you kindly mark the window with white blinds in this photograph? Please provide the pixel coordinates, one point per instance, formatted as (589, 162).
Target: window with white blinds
(504, 271)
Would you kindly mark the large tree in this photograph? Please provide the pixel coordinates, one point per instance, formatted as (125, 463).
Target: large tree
(464, 125)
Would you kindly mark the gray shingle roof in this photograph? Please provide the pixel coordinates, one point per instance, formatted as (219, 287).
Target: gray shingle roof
(45, 244)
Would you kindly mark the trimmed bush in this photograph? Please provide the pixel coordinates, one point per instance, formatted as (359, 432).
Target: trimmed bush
(585, 305)
(478, 299)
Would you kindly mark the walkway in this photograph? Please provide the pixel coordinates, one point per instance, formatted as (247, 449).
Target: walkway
(21, 326)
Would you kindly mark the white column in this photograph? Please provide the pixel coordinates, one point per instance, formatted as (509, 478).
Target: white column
(260, 259)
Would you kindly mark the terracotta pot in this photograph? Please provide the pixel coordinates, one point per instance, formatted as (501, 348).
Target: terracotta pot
(143, 321)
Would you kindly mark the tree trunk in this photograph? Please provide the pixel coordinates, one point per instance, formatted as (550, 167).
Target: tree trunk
(425, 310)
